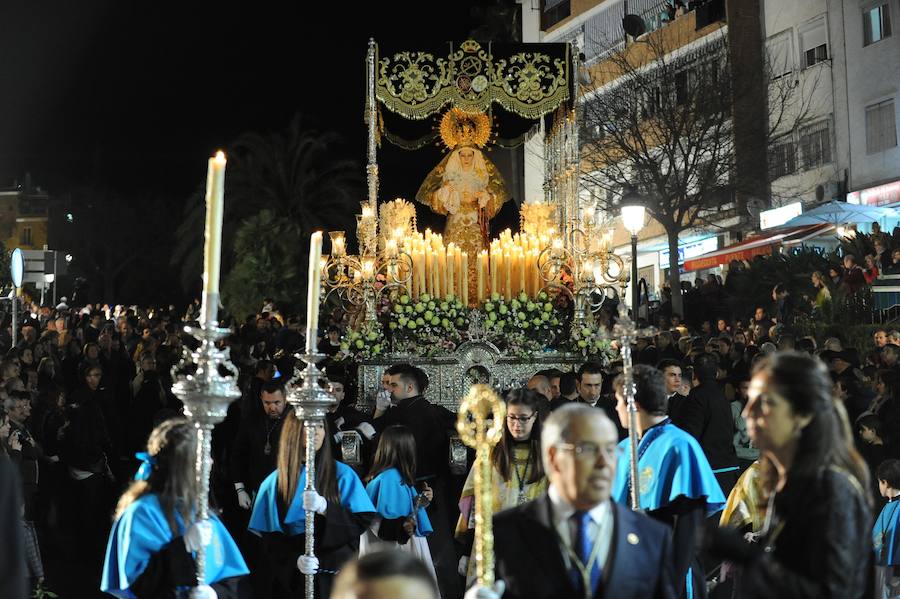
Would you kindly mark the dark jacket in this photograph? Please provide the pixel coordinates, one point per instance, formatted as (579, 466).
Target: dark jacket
(706, 414)
(823, 549)
(676, 409)
(530, 561)
(250, 463)
(430, 425)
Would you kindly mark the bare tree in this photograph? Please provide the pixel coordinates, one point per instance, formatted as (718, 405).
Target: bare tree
(665, 118)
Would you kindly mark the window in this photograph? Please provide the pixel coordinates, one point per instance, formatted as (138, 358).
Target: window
(783, 160)
(25, 237)
(682, 89)
(813, 43)
(876, 24)
(815, 145)
(881, 127)
(554, 12)
(779, 54)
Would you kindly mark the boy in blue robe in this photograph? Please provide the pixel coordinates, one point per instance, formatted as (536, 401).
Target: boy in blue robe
(677, 485)
(886, 532)
(151, 549)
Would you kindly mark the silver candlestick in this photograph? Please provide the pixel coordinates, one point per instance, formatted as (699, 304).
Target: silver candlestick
(310, 402)
(206, 394)
(627, 333)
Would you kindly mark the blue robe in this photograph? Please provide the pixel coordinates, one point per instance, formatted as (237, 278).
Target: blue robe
(265, 509)
(672, 465)
(143, 530)
(394, 499)
(886, 535)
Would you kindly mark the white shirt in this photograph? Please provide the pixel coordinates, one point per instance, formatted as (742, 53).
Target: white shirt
(600, 528)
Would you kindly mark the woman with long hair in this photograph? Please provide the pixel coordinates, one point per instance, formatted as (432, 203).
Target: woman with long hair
(402, 521)
(518, 473)
(343, 512)
(156, 534)
(814, 540)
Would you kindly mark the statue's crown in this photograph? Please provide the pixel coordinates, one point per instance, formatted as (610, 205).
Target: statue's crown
(460, 128)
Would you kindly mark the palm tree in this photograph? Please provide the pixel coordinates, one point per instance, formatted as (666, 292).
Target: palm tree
(294, 174)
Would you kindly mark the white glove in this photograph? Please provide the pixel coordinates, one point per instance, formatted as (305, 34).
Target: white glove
(463, 567)
(313, 502)
(480, 592)
(204, 591)
(198, 535)
(308, 565)
(244, 500)
(383, 400)
(338, 436)
(366, 430)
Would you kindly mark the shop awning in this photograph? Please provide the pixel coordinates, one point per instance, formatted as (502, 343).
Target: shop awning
(761, 245)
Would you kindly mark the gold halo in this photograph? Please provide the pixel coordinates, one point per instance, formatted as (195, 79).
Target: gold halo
(461, 128)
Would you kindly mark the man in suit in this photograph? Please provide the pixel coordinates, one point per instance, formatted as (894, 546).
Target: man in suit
(574, 541)
(671, 370)
(706, 414)
(589, 382)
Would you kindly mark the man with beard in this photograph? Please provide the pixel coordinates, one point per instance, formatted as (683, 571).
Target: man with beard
(255, 448)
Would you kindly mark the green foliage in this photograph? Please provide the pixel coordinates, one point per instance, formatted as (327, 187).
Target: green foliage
(294, 174)
(270, 262)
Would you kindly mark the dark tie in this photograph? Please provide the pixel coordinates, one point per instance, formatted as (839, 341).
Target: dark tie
(584, 546)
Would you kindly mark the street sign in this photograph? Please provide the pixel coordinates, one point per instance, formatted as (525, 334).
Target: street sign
(17, 267)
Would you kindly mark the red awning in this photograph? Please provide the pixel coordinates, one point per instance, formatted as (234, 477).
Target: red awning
(763, 244)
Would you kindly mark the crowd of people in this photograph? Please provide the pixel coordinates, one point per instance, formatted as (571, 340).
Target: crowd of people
(747, 432)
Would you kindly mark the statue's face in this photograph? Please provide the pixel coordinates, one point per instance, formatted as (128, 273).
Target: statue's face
(466, 157)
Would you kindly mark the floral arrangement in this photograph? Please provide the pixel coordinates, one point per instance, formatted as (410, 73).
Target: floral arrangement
(523, 326)
(364, 343)
(592, 342)
(427, 326)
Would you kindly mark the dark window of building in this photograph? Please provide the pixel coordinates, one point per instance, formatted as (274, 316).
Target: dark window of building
(815, 145)
(876, 23)
(783, 160)
(553, 12)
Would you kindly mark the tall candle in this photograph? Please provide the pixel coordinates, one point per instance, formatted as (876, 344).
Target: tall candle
(451, 270)
(312, 291)
(507, 267)
(482, 258)
(421, 271)
(429, 268)
(212, 249)
(464, 278)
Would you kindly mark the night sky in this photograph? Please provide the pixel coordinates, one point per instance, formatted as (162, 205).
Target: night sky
(140, 94)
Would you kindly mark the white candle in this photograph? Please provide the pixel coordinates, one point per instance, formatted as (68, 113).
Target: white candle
(312, 291)
(212, 250)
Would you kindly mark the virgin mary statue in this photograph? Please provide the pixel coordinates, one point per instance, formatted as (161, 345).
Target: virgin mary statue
(465, 185)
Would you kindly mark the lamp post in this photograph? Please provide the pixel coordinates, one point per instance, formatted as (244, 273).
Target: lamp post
(633, 210)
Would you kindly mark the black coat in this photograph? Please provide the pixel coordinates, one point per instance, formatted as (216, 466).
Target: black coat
(529, 559)
(824, 548)
(249, 462)
(706, 414)
(430, 425)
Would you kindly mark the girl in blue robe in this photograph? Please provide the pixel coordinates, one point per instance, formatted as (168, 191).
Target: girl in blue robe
(151, 549)
(402, 522)
(886, 532)
(343, 512)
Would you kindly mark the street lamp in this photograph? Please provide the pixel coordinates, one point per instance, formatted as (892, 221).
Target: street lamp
(633, 210)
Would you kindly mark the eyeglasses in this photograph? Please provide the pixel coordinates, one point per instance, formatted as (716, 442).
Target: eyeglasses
(520, 419)
(589, 451)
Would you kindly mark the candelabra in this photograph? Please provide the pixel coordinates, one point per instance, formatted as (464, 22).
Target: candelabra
(588, 262)
(360, 280)
(310, 402)
(206, 393)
